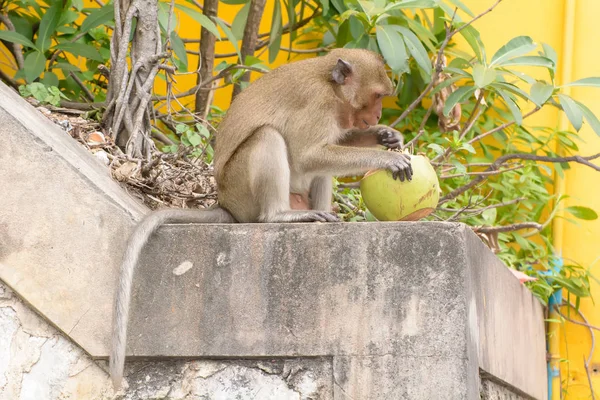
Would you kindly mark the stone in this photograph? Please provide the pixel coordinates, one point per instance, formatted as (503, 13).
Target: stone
(64, 223)
(396, 305)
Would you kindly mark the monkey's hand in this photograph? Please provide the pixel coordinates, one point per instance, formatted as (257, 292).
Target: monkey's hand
(400, 166)
(390, 138)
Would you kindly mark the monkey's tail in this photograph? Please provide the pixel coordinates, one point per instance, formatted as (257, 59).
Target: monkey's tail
(136, 242)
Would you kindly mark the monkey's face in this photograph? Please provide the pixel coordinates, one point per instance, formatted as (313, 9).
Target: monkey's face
(363, 83)
(370, 113)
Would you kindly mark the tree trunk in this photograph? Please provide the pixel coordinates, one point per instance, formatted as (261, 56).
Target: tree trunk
(128, 112)
(206, 61)
(250, 36)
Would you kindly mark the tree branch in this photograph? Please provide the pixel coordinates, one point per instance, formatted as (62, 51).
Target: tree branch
(585, 160)
(17, 48)
(207, 59)
(249, 41)
(507, 228)
(438, 65)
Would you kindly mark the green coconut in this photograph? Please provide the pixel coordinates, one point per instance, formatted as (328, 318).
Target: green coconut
(389, 199)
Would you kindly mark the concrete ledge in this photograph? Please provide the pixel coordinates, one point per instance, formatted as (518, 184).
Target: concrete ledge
(393, 310)
(397, 305)
(63, 224)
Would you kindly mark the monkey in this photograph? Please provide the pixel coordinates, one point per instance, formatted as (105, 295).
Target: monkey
(284, 133)
(287, 133)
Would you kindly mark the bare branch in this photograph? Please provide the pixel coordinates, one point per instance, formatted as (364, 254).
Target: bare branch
(17, 49)
(206, 82)
(585, 160)
(421, 130)
(482, 209)
(438, 65)
(484, 173)
(249, 40)
(507, 228)
(207, 59)
(9, 81)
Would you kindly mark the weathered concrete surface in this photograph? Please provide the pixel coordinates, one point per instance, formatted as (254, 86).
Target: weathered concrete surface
(39, 363)
(491, 390)
(63, 223)
(363, 311)
(398, 306)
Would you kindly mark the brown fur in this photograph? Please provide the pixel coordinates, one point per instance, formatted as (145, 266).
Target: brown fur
(285, 132)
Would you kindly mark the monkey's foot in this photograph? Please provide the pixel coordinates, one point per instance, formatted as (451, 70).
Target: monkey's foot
(305, 216)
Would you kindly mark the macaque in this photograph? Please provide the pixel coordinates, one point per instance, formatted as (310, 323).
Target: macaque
(281, 141)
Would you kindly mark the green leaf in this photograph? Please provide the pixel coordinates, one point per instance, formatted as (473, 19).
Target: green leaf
(194, 138)
(436, 147)
(48, 25)
(592, 81)
(423, 33)
(457, 96)
(276, 32)
(77, 4)
(200, 18)
(38, 91)
(80, 49)
(230, 36)
(445, 84)
(392, 47)
(550, 53)
(584, 213)
(50, 79)
(541, 92)
(461, 6)
(239, 21)
(512, 106)
(460, 63)
(66, 67)
(471, 35)
(590, 117)
(179, 49)
(15, 37)
(416, 49)
(530, 61)
(483, 76)
(410, 4)
(513, 89)
(35, 63)
(514, 48)
(572, 110)
(99, 16)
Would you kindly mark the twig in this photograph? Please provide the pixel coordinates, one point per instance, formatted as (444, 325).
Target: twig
(17, 48)
(485, 173)
(482, 209)
(88, 94)
(305, 51)
(585, 160)
(10, 81)
(421, 130)
(249, 40)
(507, 228)
(585, 323)
(500, 127)
(438, 66)
(220, 75)
(475, 114)
(206, 59)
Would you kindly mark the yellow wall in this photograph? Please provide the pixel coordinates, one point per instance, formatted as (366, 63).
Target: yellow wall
(549, 21)
(546, 21)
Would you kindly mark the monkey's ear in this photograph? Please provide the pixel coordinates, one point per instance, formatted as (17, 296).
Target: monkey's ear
(341, 71)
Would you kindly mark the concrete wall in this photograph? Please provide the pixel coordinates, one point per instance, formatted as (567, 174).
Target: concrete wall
(294, 311)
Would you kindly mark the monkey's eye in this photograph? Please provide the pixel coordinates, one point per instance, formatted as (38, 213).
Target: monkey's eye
(378, 95)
